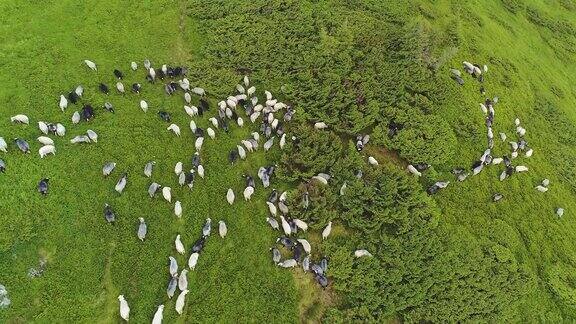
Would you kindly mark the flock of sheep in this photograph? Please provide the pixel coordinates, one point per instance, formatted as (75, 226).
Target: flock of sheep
(270, 127)
(227, 111)
(517, 146)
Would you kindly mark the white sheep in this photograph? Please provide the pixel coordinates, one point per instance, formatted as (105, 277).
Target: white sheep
(174, 128)
(124, 308)
(47, 149)
(327, 230)
(22, 119)
(91, 65)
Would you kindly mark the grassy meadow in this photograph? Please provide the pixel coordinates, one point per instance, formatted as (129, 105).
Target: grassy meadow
(357, 65)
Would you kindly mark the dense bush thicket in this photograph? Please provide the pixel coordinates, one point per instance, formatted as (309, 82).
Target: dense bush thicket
(326, 63)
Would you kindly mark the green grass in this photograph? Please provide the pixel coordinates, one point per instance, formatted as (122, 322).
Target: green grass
(89, 262)
(309, 52)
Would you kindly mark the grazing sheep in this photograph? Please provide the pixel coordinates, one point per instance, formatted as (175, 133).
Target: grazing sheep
(75, 118)
(178, 244)
(207, 227)
(541, 188)
(22, 145)
(124, 308)
(222, 229)
(178, 168)
(327, 230)
(497, 197)
(282, 141)
(343, 188)
(182, 178)
(183, 280)
(60, 130)
(80, 139)
(241, 152)
(120, 87)
(142, 229)
(191, 111)
(521, 131)
(442, 184)
(201, 171)
(372, 161)
(248, 191)
(92, 66)
(143, 105)
(43, 186)
(47, 149)
(92, 135)
(198, 144)
(193, 126)
(118, 74)
(121, 184)
(22, 119)
(268, 144)
(174, 128)
(320, 179)
(193, 260)
(158, 316)
(320, 125)
(248, 145)
(230, 196)
(545, 182)
(172, 285)
(151, 74)
(43, 127)
(148, 168)
(521, 168)
(529, 153)
(4, 145)
(108, 168)
(414, 171)
(167, 194)
(109, 214)
(199, 91)
(301, 224)
(180, 301)
(178, 209)
(42, 139)
(273, 223)
(73, 97)
(559, 211)
(285, 226)
(514, 146)
(306, 245)
(211, 133)
(63, 103)
(362, 253)
(284, 209)
(272, 208)
(173, 268)
(290, 263)
(276, 256)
